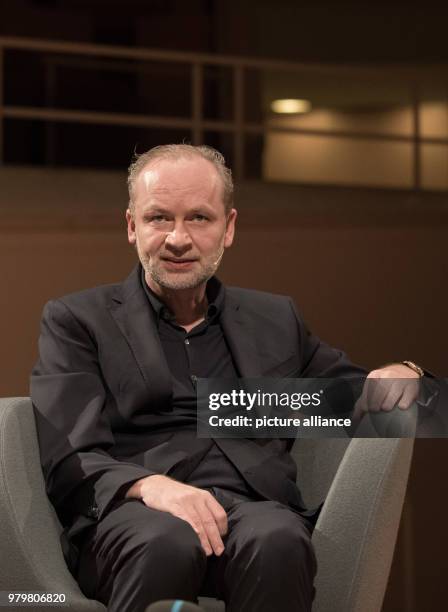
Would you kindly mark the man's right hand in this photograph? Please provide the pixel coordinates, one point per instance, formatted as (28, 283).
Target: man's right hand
(198, 507)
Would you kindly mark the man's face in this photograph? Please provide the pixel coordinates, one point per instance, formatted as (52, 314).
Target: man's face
(179, 226)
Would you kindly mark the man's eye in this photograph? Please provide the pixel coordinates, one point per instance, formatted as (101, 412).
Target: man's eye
(199, 217)
(157, 219)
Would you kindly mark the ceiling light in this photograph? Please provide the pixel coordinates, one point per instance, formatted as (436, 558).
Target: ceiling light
(291, 106)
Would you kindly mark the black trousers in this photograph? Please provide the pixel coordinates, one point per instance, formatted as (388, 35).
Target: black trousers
(137, 555)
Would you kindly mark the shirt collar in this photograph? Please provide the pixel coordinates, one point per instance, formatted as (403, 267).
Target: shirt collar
(215, 296)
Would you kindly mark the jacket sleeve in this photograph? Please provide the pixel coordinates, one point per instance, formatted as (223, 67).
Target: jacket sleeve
(69, 397)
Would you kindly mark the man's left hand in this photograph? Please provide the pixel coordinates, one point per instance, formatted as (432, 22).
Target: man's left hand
(390, 386)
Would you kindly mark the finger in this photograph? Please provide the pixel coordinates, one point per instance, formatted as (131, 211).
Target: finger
(191, 516)
(361, 403)
(392, 398)
(409, 395)
(376, 392)
(210, 528)
(386, 395)
(219, 514)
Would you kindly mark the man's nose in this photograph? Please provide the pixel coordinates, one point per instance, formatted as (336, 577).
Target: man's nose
(178, 239)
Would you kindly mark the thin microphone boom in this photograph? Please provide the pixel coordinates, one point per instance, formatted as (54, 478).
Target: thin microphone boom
(216, 263)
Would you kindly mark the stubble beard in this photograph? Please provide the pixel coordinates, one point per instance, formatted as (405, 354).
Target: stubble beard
(179, 280)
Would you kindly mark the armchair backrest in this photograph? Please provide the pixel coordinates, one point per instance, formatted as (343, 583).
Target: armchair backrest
(317, 463)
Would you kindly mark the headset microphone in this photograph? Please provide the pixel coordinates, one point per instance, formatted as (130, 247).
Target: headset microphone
(216, 263)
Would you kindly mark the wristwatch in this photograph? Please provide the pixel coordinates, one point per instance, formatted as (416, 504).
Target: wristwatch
(414, 366)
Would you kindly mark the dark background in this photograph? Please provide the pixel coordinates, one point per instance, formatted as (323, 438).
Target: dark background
(300, 31)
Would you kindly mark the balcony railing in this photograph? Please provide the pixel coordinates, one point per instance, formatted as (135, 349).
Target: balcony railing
(372, 126)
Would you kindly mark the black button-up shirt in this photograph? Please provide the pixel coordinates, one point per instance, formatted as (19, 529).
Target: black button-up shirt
(200, 353)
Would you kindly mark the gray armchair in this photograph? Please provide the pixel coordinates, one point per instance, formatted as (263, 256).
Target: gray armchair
(364, 481)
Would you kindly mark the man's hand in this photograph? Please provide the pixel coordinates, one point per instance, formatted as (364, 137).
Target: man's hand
(198, 507)
(392, 385)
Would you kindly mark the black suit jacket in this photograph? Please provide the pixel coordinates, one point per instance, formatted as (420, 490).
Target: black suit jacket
(102, 376)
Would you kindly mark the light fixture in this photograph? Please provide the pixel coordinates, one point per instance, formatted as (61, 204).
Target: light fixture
(291, 106)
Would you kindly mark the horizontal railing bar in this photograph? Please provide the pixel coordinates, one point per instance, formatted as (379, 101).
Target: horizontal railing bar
(58, 115)
(253, 128)
(32, 44)
(73, 116)
(92, 63)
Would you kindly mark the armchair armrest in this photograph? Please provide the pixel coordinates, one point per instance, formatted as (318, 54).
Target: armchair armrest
(32, 558)
(357, 529)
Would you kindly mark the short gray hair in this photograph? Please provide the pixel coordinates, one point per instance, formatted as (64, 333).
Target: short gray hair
(179, 151)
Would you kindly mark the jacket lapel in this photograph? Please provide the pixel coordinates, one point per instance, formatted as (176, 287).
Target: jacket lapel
(135, 319)
(238, 328)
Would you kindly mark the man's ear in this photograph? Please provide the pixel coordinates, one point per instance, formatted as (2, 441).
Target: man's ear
(230, 228)
(130, 220)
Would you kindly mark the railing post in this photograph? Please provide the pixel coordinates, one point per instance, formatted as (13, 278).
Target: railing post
(238, 111)
(197, 87)
(2, 118)
(50, 91)
(417, 160)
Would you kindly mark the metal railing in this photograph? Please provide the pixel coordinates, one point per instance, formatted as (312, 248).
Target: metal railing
(107, 57)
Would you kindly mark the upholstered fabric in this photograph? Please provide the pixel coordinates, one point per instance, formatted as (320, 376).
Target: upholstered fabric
(365, 480)
(31, 558)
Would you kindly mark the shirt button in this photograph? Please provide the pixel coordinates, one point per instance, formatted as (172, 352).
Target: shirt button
(93, 512)
(187, 341)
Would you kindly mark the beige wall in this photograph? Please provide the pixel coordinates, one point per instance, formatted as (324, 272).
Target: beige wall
(368, 270)
(344, 160)
(377, 293)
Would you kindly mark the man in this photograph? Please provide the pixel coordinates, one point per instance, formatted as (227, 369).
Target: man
(152, 511)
